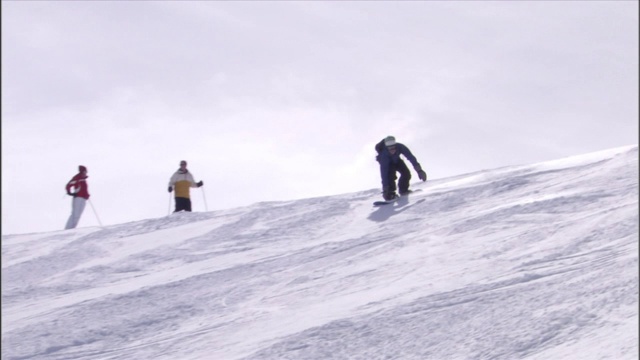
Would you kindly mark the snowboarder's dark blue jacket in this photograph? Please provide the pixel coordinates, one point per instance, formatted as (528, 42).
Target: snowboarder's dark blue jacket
(385, 158)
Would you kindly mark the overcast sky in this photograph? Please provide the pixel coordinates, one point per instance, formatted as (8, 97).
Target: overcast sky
(285, 100)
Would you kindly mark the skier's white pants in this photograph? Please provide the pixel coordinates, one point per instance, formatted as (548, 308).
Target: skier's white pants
(77, 207)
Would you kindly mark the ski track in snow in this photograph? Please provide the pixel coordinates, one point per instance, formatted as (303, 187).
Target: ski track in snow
(535, 262)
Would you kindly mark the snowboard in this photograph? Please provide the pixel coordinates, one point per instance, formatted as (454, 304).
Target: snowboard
(380, 203)
(385, 202)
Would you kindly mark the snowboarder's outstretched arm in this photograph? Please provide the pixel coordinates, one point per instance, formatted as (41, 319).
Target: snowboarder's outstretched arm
(412, 159)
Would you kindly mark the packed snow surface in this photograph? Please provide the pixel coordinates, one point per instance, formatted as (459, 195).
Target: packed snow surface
(524, 262)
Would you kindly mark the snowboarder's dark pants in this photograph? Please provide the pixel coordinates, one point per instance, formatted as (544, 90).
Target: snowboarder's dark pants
(183, 204)
(405, 176)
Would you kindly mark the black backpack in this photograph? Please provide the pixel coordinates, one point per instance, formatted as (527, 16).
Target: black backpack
(380, 147)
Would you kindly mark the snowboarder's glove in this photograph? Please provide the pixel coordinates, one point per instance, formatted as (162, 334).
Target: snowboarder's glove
(422, 175)
(71, 194)
(200, 183)
(170, 189)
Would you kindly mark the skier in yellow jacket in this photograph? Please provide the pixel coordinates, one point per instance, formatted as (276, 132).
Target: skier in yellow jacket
(182, 181)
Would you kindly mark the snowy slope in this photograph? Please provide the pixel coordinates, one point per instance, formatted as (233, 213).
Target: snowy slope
(523, 262)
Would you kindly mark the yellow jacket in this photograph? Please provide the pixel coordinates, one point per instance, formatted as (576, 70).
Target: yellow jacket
(181, 182)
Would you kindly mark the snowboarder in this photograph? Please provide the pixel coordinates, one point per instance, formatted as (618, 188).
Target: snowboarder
(79, 189)
(182, 180)
(389, 152)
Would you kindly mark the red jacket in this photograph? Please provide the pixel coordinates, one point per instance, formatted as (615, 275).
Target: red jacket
(80, 186)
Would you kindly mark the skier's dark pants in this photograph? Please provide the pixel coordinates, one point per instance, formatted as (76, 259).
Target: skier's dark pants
(405, 176)
(183, 204)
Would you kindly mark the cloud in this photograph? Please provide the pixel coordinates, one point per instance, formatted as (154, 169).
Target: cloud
(295, 94)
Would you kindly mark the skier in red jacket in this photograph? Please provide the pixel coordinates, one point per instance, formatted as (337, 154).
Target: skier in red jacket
(78, 188)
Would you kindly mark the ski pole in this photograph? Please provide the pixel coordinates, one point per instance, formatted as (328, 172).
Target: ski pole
(94, 211)
(205, 200)
(169, 212)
